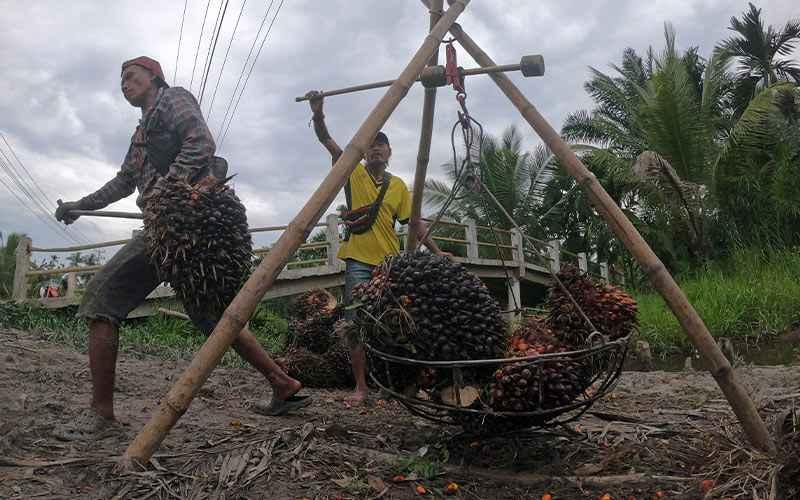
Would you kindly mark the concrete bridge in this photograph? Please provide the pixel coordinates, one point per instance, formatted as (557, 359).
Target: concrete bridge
(494, 255)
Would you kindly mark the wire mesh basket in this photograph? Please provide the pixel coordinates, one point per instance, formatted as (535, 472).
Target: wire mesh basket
(462, 393)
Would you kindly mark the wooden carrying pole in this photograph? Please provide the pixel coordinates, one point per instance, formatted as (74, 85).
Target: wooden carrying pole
(690, 321)
(177, 400)
(424, 153)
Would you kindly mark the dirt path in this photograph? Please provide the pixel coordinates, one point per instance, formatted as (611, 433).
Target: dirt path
(666, 441)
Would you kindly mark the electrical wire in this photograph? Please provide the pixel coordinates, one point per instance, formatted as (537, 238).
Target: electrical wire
(224, 61)
(212, 48)
(199, 41)
(180, 38)
(255, 60)
(244, 68)
(31, 188)
(45, 220)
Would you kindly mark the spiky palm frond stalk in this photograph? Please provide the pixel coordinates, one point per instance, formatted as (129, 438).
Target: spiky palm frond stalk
(198, 240)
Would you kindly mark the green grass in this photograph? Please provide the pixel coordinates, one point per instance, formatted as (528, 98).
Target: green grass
(166, 337)
(751, 294)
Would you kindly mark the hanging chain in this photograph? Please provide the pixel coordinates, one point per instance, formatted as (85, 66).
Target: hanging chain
(467, 177)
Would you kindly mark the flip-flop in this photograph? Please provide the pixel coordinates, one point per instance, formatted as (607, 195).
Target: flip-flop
(280, 407)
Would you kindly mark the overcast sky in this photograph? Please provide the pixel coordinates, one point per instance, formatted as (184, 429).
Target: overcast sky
(63, 113)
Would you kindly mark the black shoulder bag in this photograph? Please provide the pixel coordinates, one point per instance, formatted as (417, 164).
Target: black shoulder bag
(360, 220)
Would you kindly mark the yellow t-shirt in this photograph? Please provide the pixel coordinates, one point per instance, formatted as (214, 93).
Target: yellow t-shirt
(380, 241)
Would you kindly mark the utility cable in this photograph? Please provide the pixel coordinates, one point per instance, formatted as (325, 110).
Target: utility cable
(212, 48)
(224, 61)
(180, 38)
(199, 41)
(244, 68)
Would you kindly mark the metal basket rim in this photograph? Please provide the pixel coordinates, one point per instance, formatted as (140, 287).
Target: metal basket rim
(621, 343)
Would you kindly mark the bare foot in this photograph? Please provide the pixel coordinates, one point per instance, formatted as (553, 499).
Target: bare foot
(357, 398)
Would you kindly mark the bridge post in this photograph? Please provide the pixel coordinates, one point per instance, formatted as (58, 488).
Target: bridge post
(583, 262)
(604, 271)
(72, 284)
(23, 264)
(554, 252)
(332, 237)
(471, 235)
(514, 296)
(516, 240)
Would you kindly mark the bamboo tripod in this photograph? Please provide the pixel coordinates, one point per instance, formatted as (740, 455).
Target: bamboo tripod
(178, 399)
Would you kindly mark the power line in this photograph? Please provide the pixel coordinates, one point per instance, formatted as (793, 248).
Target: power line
(224, 60)
(199, 40)
(244, 68)
(45, 220)
(180, 38)
(278, 11)
(40, 199)
(213, 50)
(27, 172)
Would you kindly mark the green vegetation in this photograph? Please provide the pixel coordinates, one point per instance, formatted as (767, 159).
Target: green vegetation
(750, 294)
(167, 337)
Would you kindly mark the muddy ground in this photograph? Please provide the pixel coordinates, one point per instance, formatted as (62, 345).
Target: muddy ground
(657, 432)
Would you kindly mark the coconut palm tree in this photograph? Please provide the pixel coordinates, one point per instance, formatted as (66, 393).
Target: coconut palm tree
(761, 54)
(516, 178)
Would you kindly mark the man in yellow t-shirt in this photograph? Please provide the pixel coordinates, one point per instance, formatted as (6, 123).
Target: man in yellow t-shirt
(364, 250)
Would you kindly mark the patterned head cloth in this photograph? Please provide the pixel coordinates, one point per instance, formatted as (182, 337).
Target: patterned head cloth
(149, 64)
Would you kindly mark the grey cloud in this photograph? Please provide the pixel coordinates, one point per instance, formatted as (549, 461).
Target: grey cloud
(60, 104)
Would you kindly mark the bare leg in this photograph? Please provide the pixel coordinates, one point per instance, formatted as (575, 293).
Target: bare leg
(103, 347)
(358, 359)
(247, 346)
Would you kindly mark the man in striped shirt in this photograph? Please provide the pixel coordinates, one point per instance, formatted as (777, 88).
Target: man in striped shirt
(171, 139)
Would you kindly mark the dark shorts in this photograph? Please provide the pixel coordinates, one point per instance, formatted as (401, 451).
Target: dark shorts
(355, 273)
(124, 283)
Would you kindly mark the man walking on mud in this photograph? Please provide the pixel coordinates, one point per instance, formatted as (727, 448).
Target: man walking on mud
(375, 200)
(171, 138)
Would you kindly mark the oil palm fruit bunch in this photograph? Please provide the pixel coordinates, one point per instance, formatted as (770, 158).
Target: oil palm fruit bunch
(533, 336)
(427, 307)
(316, 331)
(330, 370)
(530, 386)
(611, 311)
(535, 385)
(313, 302)
(198, 240)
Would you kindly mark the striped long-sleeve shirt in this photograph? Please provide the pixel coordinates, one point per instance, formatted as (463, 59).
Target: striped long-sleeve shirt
(171, 138)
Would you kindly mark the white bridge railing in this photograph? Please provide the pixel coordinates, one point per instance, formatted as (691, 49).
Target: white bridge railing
(488, 251)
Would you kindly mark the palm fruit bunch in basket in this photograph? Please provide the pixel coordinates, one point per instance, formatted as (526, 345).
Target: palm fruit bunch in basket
(198, 239)
(537, 385)
(426, 307)
(611, 310)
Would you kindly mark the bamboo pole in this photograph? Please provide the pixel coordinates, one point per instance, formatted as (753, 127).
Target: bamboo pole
(78, 248)
(108, 213)
(530, 65)
(690, 321)
(424, 153)
(177, 400)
